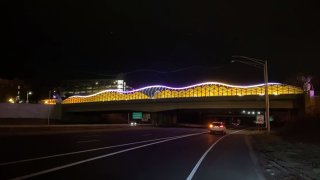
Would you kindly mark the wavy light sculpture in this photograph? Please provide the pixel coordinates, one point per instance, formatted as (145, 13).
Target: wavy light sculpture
(206, 89)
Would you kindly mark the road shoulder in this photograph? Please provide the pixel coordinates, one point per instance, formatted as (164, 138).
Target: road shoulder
(282, 159)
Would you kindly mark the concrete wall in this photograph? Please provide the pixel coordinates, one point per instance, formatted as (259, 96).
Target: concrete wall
(312, 106)
(31, 111)
(164, 119)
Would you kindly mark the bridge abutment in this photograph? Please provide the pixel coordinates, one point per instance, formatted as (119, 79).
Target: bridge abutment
(164, 118)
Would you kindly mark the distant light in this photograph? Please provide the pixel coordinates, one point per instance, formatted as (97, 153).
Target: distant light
(253, 112)
(49, 101)
(29, 92)
(97, 83)
(133, 123)
(258, 112)
(249, 112)
(11, 100)
(243, 112)
(120, 82)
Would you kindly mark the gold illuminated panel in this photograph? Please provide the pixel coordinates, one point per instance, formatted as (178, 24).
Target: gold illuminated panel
(199, 90)
(106, 96)
(220, 90)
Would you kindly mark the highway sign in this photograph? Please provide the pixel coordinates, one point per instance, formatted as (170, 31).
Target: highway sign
(137, 115)
(260, 119)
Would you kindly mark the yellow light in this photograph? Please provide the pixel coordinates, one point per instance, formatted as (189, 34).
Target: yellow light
(11, 100)
(210, 126)
(204, 90)
(48, 101)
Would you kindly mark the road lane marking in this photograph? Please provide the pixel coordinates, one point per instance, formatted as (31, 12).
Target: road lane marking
(79, 152)
(194, 170)
(89, 141)
(100, 157)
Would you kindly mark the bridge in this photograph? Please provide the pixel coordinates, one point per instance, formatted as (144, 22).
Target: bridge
(208, 89)
(162, 101)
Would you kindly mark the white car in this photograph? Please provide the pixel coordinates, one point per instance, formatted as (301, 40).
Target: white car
(217, 127)
(133, 123)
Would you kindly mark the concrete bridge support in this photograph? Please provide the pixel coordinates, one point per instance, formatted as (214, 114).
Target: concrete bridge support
(311, 105)
(164, 118)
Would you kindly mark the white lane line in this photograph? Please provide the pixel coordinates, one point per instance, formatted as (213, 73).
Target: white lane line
(194, 170)
(79, 152)
(100, 157)
(89, 141)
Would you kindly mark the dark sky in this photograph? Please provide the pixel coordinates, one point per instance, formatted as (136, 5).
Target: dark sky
(48, 41)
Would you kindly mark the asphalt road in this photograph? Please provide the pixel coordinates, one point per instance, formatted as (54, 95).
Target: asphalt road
(129, 153)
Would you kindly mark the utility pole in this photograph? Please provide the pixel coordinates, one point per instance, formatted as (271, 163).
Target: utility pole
(258, 63)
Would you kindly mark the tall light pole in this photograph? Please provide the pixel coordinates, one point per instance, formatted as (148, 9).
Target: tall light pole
(28, 93)
(258, 63)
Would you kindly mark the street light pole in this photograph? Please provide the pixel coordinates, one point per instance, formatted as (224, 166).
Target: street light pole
(266, 94)
(258, 63)
(28, 93)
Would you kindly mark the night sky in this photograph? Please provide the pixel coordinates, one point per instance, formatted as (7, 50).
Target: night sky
(158, 42)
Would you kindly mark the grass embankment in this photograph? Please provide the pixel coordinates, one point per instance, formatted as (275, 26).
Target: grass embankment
(290, 152)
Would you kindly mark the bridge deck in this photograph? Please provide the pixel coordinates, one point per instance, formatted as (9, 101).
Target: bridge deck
(166, 104)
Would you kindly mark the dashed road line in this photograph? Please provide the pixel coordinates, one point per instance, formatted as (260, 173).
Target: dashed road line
(83, 151)
(100, 157)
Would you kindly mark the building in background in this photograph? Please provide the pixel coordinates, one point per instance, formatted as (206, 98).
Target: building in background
(13, 90)
(89, 86)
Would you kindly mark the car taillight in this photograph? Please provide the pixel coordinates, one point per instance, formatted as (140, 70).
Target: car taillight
(210, 126)
(221, 126)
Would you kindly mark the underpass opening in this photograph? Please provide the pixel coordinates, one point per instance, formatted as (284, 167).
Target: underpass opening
(235, 117)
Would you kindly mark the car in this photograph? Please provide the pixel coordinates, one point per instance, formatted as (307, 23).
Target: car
(217, 127)
(133, 123)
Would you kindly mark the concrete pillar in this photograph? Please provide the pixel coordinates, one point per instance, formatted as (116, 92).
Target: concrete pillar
(164, 118)
(308, 104)
(55, 112)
